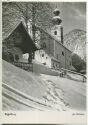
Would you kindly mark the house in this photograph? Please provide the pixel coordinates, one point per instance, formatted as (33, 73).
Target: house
(17, 43)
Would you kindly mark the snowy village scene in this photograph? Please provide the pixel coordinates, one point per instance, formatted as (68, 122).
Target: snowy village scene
(43, 56)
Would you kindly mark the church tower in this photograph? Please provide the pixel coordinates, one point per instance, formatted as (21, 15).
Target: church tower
(57, 29)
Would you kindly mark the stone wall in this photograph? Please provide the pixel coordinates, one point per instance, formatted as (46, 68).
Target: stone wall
(41, 69)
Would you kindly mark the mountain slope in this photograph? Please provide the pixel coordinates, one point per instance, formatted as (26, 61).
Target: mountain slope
(61, 93)
(75, 41)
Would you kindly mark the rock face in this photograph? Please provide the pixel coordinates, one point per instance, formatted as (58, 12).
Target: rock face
(75, 41)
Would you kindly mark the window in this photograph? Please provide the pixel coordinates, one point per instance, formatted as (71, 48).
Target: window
(42, 55)
(55, 32)
(62, 53)
(43, 45)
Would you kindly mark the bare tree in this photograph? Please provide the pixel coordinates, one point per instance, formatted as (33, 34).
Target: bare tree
(33, 12)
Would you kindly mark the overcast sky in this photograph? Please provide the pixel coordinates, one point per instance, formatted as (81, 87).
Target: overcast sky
(73, 15)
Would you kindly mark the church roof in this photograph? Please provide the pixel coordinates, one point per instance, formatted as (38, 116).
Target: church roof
(9, 29)
(53, 37)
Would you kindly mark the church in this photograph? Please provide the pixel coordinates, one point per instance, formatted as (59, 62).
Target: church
(53, 53)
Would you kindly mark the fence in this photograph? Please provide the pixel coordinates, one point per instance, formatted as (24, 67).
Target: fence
(69, 72)
(23, 65)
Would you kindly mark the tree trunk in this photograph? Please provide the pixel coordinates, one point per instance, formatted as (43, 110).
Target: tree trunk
(33, 21)
(26, 16)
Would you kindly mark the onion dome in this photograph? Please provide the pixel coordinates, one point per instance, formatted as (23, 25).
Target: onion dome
(56, 19)
(56, 12)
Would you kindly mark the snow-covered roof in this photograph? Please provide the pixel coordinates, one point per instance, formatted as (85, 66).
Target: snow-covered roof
(23, 28)
(10, 29)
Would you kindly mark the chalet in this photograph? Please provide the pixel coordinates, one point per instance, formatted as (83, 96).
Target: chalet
(17, 43)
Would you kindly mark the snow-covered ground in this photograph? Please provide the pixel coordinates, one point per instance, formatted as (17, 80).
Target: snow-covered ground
(61, 93)
(71, 92)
